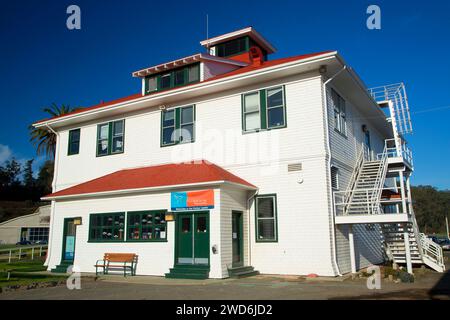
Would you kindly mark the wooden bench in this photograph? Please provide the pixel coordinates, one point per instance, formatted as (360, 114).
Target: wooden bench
(125, 261)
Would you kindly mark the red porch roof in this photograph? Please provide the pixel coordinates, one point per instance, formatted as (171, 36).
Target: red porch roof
(154, 177)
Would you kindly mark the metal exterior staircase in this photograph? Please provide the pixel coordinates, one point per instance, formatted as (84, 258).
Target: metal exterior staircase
(363, 197)
(364, 192)
(424, 251)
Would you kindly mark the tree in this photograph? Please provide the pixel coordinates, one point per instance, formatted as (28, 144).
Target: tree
(43, 139)
(9, 174)
(28, 178)
(45, 177)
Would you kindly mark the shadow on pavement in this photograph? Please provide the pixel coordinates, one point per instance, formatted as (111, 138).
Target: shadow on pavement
(442, 288)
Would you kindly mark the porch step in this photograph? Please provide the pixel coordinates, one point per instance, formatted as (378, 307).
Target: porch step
(188, 272)
(61, 268)
(241, 272)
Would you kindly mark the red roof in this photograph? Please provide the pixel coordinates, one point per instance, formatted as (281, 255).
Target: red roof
(154, 176)
(252, 67)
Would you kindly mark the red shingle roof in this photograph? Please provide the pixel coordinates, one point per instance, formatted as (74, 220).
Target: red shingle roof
(154, 176)
(252, 67)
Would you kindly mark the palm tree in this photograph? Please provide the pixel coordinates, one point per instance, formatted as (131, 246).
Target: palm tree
(43, 139)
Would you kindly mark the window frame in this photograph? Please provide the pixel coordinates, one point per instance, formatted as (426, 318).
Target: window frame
(69, 149)
(142, 212)
(177, 125)
(333, 167)
(96, 240)
(223, 44)
(263, 111)
(171, 74)
(275, 218)
(244, 113)
(110, 125)
(339, 113)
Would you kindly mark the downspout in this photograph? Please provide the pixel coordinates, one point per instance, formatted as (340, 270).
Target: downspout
(249, 228)
(330, 190)
(52, 208)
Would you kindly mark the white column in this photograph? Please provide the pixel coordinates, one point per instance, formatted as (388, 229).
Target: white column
(407, 248)
(408, 189)
(351, 242)
(402, 190)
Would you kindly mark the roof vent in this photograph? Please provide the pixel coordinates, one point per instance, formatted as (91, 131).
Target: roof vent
(293, 167)
(256, 55)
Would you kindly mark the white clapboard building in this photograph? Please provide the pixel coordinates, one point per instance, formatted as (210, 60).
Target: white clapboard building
(227, 163)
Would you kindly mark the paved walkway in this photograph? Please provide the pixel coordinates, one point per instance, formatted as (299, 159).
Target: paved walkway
(428, 285)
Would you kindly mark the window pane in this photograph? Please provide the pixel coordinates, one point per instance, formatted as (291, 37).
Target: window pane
(275, 117)
(151, 84)
(275, 97)
(179, 77)
(168, 135)
(266, 229)
(265, 208)
(252, 121)
(165, 81)
(187, 115)
(117, 145)
(169, 118)
(118, 127)
(194, 73)
(201, 224)
(251, 102)
(102, 147)
(74, 148)
(186, 224)
(75, 135)
(104, 131)
(187, 133)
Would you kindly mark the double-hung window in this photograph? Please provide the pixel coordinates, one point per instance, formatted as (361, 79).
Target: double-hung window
(74, 142)
(266, 218)
(173, 78)
(340, 120)
(335, 178)
(110, 138)
(178, 125)
(107, 227)
(264, 109)
(147, 226)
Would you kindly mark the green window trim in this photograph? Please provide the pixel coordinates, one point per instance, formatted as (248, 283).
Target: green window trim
(179, 73)
(258, 219)
(146, 226)
(110, 138)
(221, 47)
(74, 142)
(177, 126)
(107, 227)
(264, 110)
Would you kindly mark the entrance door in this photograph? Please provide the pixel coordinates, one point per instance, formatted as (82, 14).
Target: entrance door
(237, 243)
(192, 238)
(367, 144)
(70, 230)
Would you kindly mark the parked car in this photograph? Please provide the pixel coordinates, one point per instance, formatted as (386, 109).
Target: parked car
(41, 242)
(445, 244)
(23, 243)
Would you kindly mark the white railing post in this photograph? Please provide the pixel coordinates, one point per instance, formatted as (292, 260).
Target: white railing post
(32, 253)
(10, 253)
(20, 253)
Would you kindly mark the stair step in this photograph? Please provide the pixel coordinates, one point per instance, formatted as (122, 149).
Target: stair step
(188, 272)
(186, 276)
(241, 272)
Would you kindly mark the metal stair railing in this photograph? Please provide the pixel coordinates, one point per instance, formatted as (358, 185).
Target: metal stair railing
(381, 177)
(353, 180)
(431, 250)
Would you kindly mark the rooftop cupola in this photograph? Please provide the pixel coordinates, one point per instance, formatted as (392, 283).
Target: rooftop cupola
(237, 45)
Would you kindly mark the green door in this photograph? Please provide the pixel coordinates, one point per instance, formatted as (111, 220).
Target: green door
(236, 238)
(192, 238)
(69, 237)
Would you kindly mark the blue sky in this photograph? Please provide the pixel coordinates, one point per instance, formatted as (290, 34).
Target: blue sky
(42, 62)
